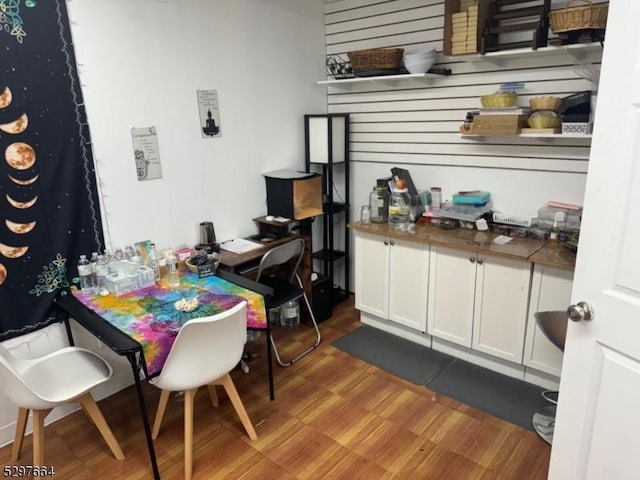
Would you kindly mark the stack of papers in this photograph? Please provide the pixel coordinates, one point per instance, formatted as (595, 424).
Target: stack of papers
(239, 245)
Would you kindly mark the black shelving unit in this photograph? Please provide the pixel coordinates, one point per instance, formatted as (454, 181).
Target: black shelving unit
(327, 148)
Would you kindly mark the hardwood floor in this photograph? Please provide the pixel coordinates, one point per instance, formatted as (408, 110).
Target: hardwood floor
(334, 417)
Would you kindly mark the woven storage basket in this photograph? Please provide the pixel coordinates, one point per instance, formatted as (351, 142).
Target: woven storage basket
(499, 100)
(579, 18)
(376, 59)
(545, 103)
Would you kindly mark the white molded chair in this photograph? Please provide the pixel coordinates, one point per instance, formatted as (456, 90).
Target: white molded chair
(290, 254)
(204, 352)
(40, 384)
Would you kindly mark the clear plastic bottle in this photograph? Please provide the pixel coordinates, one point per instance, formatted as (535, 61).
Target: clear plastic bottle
(93, 261)
(101, 271)
(173, 275)
(153, 262)
(399, 208)
(85, 273)
(290, 314)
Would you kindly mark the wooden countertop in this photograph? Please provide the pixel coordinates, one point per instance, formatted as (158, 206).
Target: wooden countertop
(526, 249)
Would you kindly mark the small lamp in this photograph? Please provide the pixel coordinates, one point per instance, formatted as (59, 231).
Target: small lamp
(326, 138)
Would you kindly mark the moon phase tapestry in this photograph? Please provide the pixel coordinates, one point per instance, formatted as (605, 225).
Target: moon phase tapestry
(49, 207)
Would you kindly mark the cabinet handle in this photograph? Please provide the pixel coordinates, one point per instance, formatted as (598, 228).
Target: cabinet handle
(480, 260)
(472, 259)
(392, 242)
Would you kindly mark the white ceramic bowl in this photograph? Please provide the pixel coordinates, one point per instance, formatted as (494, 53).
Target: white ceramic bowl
(421, 54)
(419, 66)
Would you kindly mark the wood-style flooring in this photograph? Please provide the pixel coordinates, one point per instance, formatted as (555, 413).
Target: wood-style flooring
(334, 417)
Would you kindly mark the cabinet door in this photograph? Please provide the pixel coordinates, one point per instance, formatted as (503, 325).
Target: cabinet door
(372, 274)
(408, 283)
(550, 290)
(500, 313)
(451, 294)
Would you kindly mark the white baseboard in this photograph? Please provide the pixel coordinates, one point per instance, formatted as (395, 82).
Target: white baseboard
(396, 329)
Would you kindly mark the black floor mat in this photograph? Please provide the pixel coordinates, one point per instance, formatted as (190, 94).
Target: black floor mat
(499, 395)
(393, 354)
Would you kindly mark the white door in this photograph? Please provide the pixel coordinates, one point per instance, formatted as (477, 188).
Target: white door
(597, 433)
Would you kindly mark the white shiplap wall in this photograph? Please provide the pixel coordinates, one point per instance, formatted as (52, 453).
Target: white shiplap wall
(414, 124)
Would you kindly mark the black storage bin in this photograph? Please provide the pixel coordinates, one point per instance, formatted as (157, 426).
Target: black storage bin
(321, 298)
(294, 195)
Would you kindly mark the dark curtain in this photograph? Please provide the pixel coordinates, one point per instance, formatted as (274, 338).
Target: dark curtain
(49, 209)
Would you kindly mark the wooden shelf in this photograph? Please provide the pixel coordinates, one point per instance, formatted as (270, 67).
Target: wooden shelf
(388, 80)
(577, 51)
(550, 136)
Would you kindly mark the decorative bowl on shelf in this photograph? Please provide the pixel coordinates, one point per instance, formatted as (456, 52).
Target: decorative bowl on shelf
(544, 119)
(499, 100)
(545, 103)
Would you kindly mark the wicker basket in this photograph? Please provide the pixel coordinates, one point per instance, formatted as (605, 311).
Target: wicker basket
(544, 122)
(579, 18)
(545, 103)
(499, 100)
(375, 59)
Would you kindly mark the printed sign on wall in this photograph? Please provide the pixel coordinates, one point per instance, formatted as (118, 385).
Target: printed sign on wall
(146, 153)
(209, 113)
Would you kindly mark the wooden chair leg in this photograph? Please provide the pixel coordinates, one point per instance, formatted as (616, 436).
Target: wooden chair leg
(213, 395)
(91, 407)
(232, 393)
(162, 406)
(38, 436)
(189, 396)
(21, 426)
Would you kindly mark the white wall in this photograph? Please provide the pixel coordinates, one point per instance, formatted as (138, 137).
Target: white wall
(140, 63)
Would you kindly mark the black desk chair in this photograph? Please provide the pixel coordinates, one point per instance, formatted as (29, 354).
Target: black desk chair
(285, 289)
(553, 325)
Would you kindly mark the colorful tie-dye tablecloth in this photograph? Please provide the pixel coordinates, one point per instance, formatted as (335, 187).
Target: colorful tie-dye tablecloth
(149, 317)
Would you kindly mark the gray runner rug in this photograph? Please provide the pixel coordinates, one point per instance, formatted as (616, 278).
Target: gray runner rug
(512, 400)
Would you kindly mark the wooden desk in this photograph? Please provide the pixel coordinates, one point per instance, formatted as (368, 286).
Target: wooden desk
(246, 264)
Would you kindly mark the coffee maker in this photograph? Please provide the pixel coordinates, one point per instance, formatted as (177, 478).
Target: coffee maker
(207, 238)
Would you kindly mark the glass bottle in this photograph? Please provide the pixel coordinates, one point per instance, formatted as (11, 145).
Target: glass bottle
(399, 208)
(173, 275)
(379, 203)
(85, 273)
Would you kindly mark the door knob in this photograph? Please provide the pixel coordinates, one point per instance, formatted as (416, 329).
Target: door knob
(580, 311)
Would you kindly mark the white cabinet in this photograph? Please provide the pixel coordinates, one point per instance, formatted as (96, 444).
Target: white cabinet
(479, 301)
(550, 290)
(391, 279)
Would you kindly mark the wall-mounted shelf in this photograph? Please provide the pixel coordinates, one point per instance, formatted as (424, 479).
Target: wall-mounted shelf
(541, 136)
(388, 80)
(578, 51)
